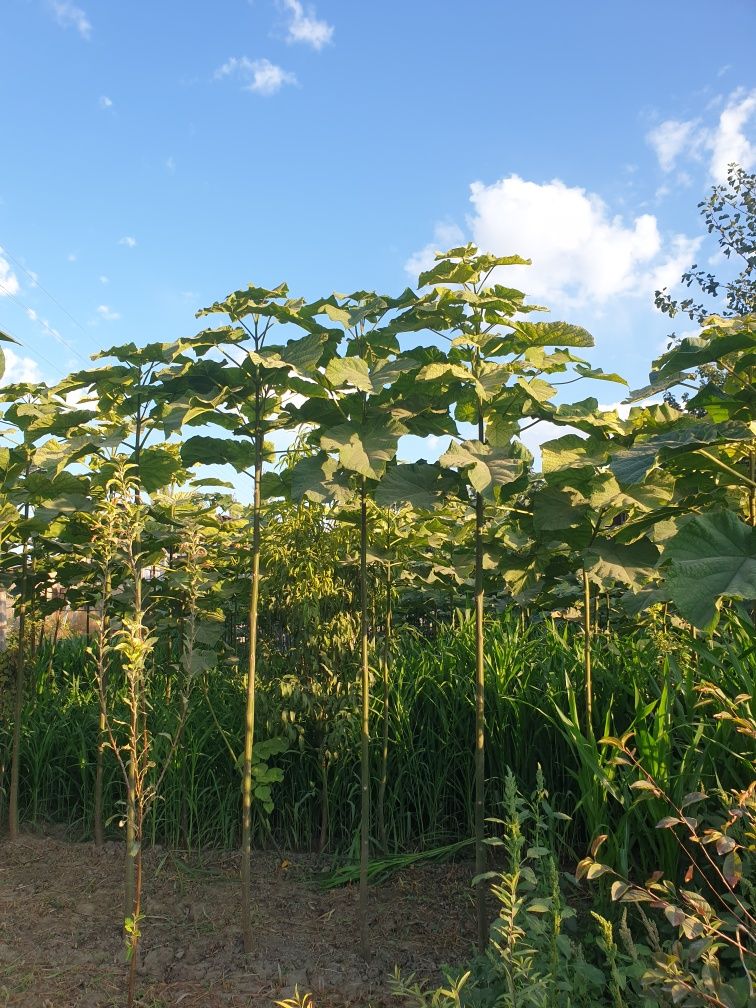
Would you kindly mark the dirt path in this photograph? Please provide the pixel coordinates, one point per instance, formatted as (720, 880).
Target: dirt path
(61, 945)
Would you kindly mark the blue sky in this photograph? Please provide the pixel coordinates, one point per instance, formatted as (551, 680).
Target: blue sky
(160, 154)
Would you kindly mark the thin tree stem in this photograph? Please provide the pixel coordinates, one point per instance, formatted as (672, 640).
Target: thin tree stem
(365, 728)
(480, 713)
(249, 714)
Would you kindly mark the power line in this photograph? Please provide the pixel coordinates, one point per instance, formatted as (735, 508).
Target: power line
(36, 355)
(31, 313)
(35, 280)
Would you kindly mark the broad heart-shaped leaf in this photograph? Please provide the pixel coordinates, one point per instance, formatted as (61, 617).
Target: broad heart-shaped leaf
(443, 369)
(319, 479)
(631, 564)
(275, 484)
(364, 448)
(389, 370)
(725, 336)
(218, 451)
(630, 465)
(721, 407)
(538, 334)
(157, 467)
(421, 484)
(491, 378)
(712, 557)
(311, 477)
(349, 371)
(302, 355)
(570, 451)
(487, 467)
(555, 509)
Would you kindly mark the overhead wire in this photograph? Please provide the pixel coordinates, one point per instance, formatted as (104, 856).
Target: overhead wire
(34, 353)
(34, 277)
(33, 315)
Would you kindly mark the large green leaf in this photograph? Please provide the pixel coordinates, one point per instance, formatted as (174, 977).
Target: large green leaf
(423, 485)
(630, 465)
(630, 564)
(712, 557)
(537, 334)
(218, 451)
(311, 477)
(727, 337)
(157, 467)
(349, 371)
(364, 448)
(568, 451)
(555, 509)
(486, 466)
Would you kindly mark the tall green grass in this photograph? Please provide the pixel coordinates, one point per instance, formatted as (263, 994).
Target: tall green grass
(642, 681)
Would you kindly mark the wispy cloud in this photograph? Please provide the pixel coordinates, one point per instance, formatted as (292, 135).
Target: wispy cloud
(107, 313)
(731, 138)
(68, 15)
(669, 139)
(104, 279)
(19, 369)
(170, 165)
(260, 76)
(305, 27)
(105, 102)
(128, 241)
(8, 280)
(71, 257)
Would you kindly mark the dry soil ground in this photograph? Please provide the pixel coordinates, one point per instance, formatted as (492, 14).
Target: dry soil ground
(61, 944)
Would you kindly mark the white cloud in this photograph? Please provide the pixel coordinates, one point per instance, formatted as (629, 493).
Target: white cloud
(306, 27)
(128, 241)
(31, 314)
(71, 257)
(669, 139)
(582, 255)
(19, 369)
(731, 138)
(68, 15)
(729, 141)
(260, 76)
(107, 313)
(445, 235)
(170, 165)
(105, 102)
(104, 279)
(8, 279)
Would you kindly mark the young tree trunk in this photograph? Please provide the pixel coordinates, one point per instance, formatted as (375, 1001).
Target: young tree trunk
(587, 637)
(249, 715)
(18, 707)
(325, 814)
(480, 713)
(365, 729)
(102, 738)
(137, 909)
(480, 729)
(18, 703)
(386, 673)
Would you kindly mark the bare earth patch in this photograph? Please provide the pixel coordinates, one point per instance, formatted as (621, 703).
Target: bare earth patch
(61, 943)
